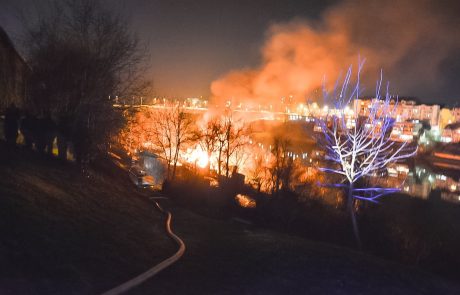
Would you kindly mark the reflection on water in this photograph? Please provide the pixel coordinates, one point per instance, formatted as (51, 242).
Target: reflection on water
(417, 181)
(421, 180)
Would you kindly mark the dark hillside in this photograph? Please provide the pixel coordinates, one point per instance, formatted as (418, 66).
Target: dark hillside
(229, 257)
(62, 233)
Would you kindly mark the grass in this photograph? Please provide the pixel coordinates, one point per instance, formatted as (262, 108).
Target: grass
(62, 233)
(227, 257)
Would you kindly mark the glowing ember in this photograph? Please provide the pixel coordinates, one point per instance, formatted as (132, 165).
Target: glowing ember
(245, 201)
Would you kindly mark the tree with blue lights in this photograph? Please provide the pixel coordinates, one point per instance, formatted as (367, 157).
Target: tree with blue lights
(359, 146)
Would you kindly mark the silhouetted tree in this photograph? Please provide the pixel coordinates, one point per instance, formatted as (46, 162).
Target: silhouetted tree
(80, 54)
(171, 132)
(231, 139)
(282, 167)
(259, 171)
(208, 137)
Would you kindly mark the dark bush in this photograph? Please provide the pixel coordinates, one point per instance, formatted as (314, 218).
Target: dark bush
(425, 233)
(192, 190)
(416, 232)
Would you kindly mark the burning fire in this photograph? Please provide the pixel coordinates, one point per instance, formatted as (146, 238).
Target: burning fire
(197, 156)
(245, 201)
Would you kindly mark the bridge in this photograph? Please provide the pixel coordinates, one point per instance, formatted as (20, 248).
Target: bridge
(252, 115)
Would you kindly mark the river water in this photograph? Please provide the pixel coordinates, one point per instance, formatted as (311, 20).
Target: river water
(419, 181)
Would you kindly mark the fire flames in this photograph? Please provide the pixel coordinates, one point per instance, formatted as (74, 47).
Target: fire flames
(197, 157)
(255, 160)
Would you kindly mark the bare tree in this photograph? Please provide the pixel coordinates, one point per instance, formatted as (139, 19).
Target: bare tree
(259, 173)
(208, 137)
(81, 54)
(138, 131)
(221, 143)
(231, 139)
(172, 130)
(282, 167)
(359, 147)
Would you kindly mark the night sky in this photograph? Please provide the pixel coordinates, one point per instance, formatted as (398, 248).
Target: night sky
(193, 43)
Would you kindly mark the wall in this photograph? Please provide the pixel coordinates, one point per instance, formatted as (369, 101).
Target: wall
(13, 74)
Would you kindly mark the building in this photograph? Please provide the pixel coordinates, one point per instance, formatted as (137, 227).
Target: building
(14, 73)
(451, 133)
(456, 114)
(405, 110)
(405, 131)
(428, 113)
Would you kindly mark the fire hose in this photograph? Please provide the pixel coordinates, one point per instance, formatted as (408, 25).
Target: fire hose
(160, 266)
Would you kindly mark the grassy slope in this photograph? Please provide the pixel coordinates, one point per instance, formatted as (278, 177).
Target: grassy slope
(64, 234)
(61, 233)
(226, 257)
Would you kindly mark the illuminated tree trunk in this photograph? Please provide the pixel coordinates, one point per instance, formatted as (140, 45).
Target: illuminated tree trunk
(176, 158)
(208, 166)
(219, 161)
(227, 159)
(351, 210)
(227, 152)
(169, 163)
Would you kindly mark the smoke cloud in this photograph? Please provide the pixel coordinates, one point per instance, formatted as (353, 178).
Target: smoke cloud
(411, 40)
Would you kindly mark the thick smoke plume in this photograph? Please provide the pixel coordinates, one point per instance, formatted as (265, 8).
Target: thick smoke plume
(411, 40)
